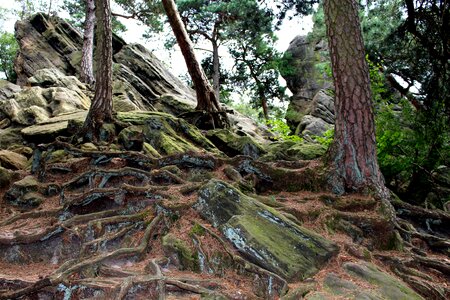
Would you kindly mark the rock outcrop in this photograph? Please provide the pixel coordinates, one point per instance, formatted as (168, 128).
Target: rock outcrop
(263, 234)
(311, 108)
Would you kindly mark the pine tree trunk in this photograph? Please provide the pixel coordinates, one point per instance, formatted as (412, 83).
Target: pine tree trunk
(101, 106)
(216, 70)
(352, 155)
(206, 98)
(87, 73)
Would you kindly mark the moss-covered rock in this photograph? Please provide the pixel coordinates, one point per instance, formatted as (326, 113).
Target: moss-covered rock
(132, 138)
(24, 193)
(232, 144)
(263, 234)
(293, 151)
(386, 286)
(185, 257)
(167, 134)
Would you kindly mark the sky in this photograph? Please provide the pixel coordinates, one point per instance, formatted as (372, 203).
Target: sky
(173, 59)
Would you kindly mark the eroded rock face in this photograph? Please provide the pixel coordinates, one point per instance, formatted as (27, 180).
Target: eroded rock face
(311, 109)
(50, 50)
(262, 234)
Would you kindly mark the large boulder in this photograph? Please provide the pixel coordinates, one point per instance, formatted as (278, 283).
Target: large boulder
(162, 134)
(49, 61)
(303, 78)
(311, 108)
(262, 234)
(50, 54)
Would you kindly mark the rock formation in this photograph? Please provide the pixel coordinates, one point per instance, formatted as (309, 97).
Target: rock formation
(159, 209)
(311, 108)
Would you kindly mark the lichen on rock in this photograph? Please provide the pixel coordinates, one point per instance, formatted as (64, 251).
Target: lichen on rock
(263, 234)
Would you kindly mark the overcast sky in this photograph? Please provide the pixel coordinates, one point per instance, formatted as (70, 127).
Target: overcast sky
(173, 59)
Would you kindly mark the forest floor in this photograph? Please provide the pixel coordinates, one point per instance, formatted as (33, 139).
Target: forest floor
(99, 233)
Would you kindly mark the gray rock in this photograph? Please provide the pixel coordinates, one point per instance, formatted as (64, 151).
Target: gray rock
(386, 286)
(24, 193)
(232, 144)
(308, 83)
(305, 80)
(8, 89)
(262, 234)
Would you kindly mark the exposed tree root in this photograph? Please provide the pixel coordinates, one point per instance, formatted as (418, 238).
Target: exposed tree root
(70, 268)
(409, 270)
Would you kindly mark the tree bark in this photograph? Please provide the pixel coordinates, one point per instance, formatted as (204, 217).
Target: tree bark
(87, 73)
(352, 155)
(206, 98)
(216, 69)
(101, 106)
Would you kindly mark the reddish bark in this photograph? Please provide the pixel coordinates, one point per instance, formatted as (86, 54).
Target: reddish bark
(101, 106)
(353, 154)
(206, 97)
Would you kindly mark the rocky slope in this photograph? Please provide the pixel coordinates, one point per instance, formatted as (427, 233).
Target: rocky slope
(162, 210)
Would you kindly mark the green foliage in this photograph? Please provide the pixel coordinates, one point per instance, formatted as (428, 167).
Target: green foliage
(282, 131)
(326, 139)
(77, 10)
(8, 51)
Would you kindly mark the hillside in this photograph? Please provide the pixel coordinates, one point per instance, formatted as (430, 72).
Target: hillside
(163, 210)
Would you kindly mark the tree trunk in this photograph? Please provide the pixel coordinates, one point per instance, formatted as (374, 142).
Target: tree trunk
(216, 69)
(87, 73)
(352, 156)
(206, 98)
(101, 106)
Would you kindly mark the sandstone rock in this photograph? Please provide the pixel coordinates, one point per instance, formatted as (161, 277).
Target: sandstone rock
(148, 75)
(63, 100)
(293, 151)
(306, 80)
(132, 138)
(10, 137)
(311, 126)
(386, 286)
(23, 193)
(6, 177)
(8, 89)
(45, 44)
(12, 160)
(262, 234)
(233, 144)
(168, 134)
(48, 130)
(310, 106)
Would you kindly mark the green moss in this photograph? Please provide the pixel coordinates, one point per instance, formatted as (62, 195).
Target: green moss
(233, 144)
(169, 145)
(197, 230)
(187, 257)
(271, 239)
(57, 156)
(150, 151)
